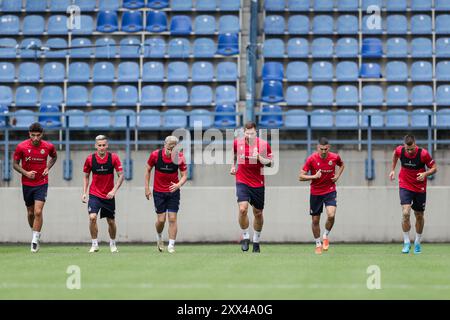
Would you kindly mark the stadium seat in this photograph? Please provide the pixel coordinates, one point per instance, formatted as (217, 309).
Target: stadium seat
(206, 5)
(79, 72)
(372, 95)
(59, 5)
(201, 117)
(133, 4)
(26, 96)
(201, 95)
(9, 24)
(128, 72)
(124, 118)
(372, 48)
(274, 5)
(396, 71)
(397, 96)
(273, 48)
(7, 48)
(53, 72)
(371, 25)
(298, 5)
(323, 24)
(228, 44)
(49, 121)
(202, 71)
(180, 25)
(421, 118)
(396, 48)
(33, 24)
(443, 71)
(322, 48)
(271, 120)
(6, 96)
(229, 5)
(441, 5)
(181, 5)
(322, 71)
(126, 96)
(76, 118)
(348, 5)
(3, 111)
(443, 118)
(107, 21)
(347, 24)
(77, 96)
(296, 118)
(176, 96)
(370, 70)
(57, 24)
(274, 24)
(112, 5)
(157, 4)
(101, 96)
(296, 48)
(103, 72)
(149, 119)
(297, 96)
(179, 48)
(443, 24)
(130, 48)
(347, 96)
(398, 5)
(204, 24)
(421, 24)
(204, 48)
(323, 5)
(227, 71)
(347, 48)
(229, 24)
(322, 96)
(29, 72)
(132, 21)
(99, 118)
(297, 71)
(30, 48)
(273, 71)
(225, 95)
(321, 118)
(396, 24)
(174, 118)
(346, 119)
(421, 48)
(442, 48)
(156, 21)
(7, 72)
(347, 71)
(105, 48)
(11, 6)
(443, 95)
(421, 71)
(154, 48)
(177, 71)
(24, 118)
(421, 5)
(86, 26)
(81, 48)
(397, 118)
(376, 119)
(298, 24)
(422, 95)
(56, 46)
(152, 96)
(85, 5)
(226, 120)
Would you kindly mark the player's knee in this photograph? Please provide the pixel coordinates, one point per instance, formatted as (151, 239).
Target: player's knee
(258, 214)
(38, 213)
(243, 211)
(93, 218)
(419, 217)
(172, 220)
(111, 222)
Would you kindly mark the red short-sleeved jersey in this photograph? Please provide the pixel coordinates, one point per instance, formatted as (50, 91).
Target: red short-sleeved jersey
(324, 184)
(161, 180)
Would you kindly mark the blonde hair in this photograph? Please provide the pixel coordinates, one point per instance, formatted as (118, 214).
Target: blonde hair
(100, 137)
(171, 139)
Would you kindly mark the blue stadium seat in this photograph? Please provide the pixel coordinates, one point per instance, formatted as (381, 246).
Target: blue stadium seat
(128, 72)
(422, 95)
(11, 6)
(126, 96)
(157, 4)
(152, 96)
(421, 71)
(180, 25)
(7, 48)
(120, 118)
(79, 72)
(274, 5)
(201, 117)
(396, 71)
(271, 120)
(107, 21)
(227, 120)
(274, 24)
(59, 5)
(443, 95)
(227, 71)
(206, 5)
(443, 24)
(371, 25)
(179, 48)
(296, 118)
(204, 48)
(297, 96)
(6, 96)
(443, 71)
(229, 24)
(7, 72)
(85, 5)
(421, 24)
(202, 71)
(372, 48)
(442, 48)
(321, 118)
(225, 94)
(367, 3)
(297, 71)
(112, 5)
(99, 118)
(55, 45)
(33, 24)
(229, 5)
(86, 25)
(396, 24)
(420, 118)
(322, 48)
(132, 21)
(26, 96)
(49, 121)
(347, 96)
(3, 111)
(347, 48)
(149, 119)
(53, 72)
(201, 95)
(398, 5)
(178, 71)
(181, 5)
(101, 96)
(346, 119)
(228, 44)
(443, 118)
(323, 24)
(130, 48)
(57, 24)
(441, 5)
(298, 5)
(133, 4)
(24, 118)
(154, 48)
(29, 48)
(397, 96)
(370, 70)
(376, 119)
(322, 71)
(103, 72)
(347, 24)
(347, 71)
(273, 71)
(273, 48)
(29, 72)
(348, 5)
(322, 96)
(9, 24)
(77, 96)
(81, 48)
(176, 96)
(105, 48)
(421, 5)
(397, 117)
(156, 21)
(396, 48)
(323, 5)
(204, 24)
(76, 118)
(296, 47)
(421, 48)
(372, 95)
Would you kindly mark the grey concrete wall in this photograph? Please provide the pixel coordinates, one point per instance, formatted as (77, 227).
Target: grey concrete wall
(210, 214)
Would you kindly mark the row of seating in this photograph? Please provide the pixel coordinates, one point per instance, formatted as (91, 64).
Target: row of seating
(125, 95)
(349, 47)
(348, 95)
(348, 24)
(103, 71)
(91, 5)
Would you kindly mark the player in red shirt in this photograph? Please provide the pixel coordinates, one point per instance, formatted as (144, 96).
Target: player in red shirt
(102, 190)
(322, 166)
(251, 154)
(412, 186)
(166, 188)
(33, 154)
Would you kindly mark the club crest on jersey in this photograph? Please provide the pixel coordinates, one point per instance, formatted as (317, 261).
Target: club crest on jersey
(42, 151)
(330, 163)
(29, 150)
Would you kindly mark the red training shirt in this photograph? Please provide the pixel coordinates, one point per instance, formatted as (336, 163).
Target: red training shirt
(324, 184)
(161, 180)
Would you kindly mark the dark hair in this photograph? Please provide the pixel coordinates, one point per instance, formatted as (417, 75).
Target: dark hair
(36, 127)
(323, 141)
(409, 139)
(250, 125)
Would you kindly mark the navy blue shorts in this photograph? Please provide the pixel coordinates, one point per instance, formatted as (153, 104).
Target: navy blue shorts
(166, 201)
(417, 199)
(316, 202)
(31, 194)
(255, 196)
(107, 207)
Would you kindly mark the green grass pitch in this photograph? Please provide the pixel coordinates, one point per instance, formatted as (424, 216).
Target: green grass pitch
(280, 271)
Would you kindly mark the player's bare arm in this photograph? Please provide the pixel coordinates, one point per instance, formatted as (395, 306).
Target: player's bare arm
(22, 171)
(233, 167)
(338, 174)
(148, 171)
(422, 175)
(50, 164)
(304, 176)
(85, 186)
(120, 179)
(175, 186)
(394, 164)
(265, 161)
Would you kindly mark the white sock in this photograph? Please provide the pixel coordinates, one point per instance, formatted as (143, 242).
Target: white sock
(418, 238)
(318, 243)
(112, 242)
(159, 236)
(325, 235)
(245, 234)
(171, 243)
(36, 237)
(256, 236)
(406, 237)
(94, 242)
